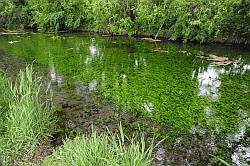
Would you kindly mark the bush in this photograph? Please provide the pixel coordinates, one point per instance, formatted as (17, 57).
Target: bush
(13, 14)
(51, 16)
(190, 20)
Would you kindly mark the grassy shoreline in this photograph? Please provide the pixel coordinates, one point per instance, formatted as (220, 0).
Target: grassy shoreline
(26, 121)
(110, 149)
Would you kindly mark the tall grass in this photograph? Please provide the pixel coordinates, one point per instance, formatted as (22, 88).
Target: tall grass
(24, 118)
(106, 149)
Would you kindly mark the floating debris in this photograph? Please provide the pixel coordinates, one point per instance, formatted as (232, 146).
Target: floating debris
(201, 56)
(12, 33)
(63, 31)
(182, 51)
(217, 61)
(12, 42)
(224, 63)
(106, 35)
(217, 58)
(151, 40)
(160, 51)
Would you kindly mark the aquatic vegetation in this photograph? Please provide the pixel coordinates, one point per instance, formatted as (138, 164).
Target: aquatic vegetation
(164, 86)
(167, 84)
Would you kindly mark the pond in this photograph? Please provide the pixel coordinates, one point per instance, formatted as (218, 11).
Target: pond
(178, 87)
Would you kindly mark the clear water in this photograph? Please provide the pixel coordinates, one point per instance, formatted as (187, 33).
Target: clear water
(161, 81)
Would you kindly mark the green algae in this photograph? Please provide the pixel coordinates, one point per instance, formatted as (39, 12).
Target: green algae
(160, 85)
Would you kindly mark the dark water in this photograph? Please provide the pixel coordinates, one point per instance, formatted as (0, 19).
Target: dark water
(202, 108)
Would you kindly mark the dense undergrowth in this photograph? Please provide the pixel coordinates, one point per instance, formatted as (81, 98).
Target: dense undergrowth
(192, 20)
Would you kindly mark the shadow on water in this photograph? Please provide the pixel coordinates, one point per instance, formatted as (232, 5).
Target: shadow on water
(154, 88)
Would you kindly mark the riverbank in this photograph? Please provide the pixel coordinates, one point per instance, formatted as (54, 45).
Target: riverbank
(189, 21)
(25, 118)
(28, 124)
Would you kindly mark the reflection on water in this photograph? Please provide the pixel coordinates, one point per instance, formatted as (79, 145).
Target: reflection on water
(55, 77)
(93, 47)
(241, 154)
(53, 74)
(93, 85)
(148, 107)
(140, 62)
(209, 81)
(208, 111)
(94, 51)
(160, 156)
(136, 63)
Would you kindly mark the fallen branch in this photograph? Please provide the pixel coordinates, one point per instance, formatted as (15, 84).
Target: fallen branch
(151, 40)
(12, 33)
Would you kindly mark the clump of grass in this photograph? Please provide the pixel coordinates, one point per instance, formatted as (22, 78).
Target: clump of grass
(24, 118)
(107, 149)
(220, 160)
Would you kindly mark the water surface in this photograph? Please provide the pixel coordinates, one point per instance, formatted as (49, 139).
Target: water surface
(165, 83)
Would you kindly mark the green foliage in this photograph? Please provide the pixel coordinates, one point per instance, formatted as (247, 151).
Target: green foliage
(150, 17)
(25, 119)
(190, 20)
(55, 15)
(13, 14)
(105, 149)
(203, 21)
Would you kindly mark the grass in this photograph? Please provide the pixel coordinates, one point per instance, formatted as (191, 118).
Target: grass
(25, 119)
(220, 160)
(107, 149)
